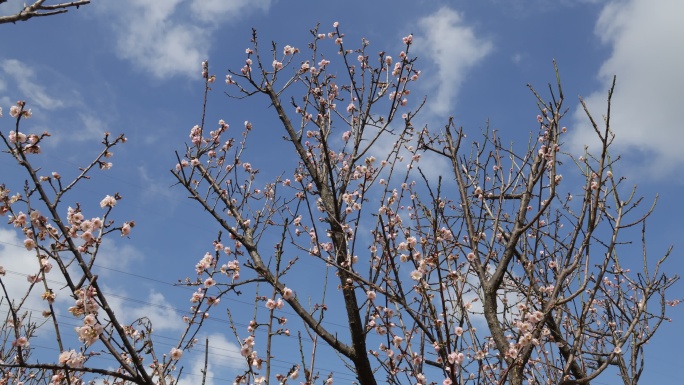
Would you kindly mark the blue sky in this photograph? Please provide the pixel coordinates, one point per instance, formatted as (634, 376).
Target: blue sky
(133, 67)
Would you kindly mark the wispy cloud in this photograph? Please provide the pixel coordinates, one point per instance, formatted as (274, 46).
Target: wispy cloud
(154, 307)
(156, 188)
(24, 76)
(120, 255)
(163, 38)
(19, 263)
(643, 38)
(45, 89)
(93, 127)
(454, 48)
(219, 11)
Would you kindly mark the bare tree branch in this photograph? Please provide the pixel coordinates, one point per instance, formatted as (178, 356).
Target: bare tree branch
(39, 9)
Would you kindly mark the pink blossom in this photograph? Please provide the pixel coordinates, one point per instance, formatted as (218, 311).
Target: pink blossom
(19, 220)
(125, 229)
(88, 237)
(29, 244)
(108, 201)
(245, 350)
(89, 320)
(196, 297)
(289, 50)
(88, 334)
(287, 293)
(71, 359)
(21, 342)
(176, 354)
(397, 341)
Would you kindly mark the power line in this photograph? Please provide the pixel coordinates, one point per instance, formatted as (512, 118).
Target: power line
(183, 287)
(227, 353)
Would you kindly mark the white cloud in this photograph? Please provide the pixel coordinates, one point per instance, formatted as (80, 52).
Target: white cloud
(24, 77)
(454, 48)
(148, 37)
(219, 11)
(19, 264)
(645, 116)
(163, 38)
(93, 128)
(155, 307)
(517, 58)
(472, 295)
(156, 188)
(117, 255)
(222, 355)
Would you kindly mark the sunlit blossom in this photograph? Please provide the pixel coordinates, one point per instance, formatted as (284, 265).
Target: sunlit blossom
(176, 354)
(416, 275)
(108, 201)
(22, 342)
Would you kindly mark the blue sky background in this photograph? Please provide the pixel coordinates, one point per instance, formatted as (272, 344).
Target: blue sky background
(133, 67)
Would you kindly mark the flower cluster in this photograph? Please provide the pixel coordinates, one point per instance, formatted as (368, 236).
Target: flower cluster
(72, 359)
(85, 302)
(90, 331)
(29, 144)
